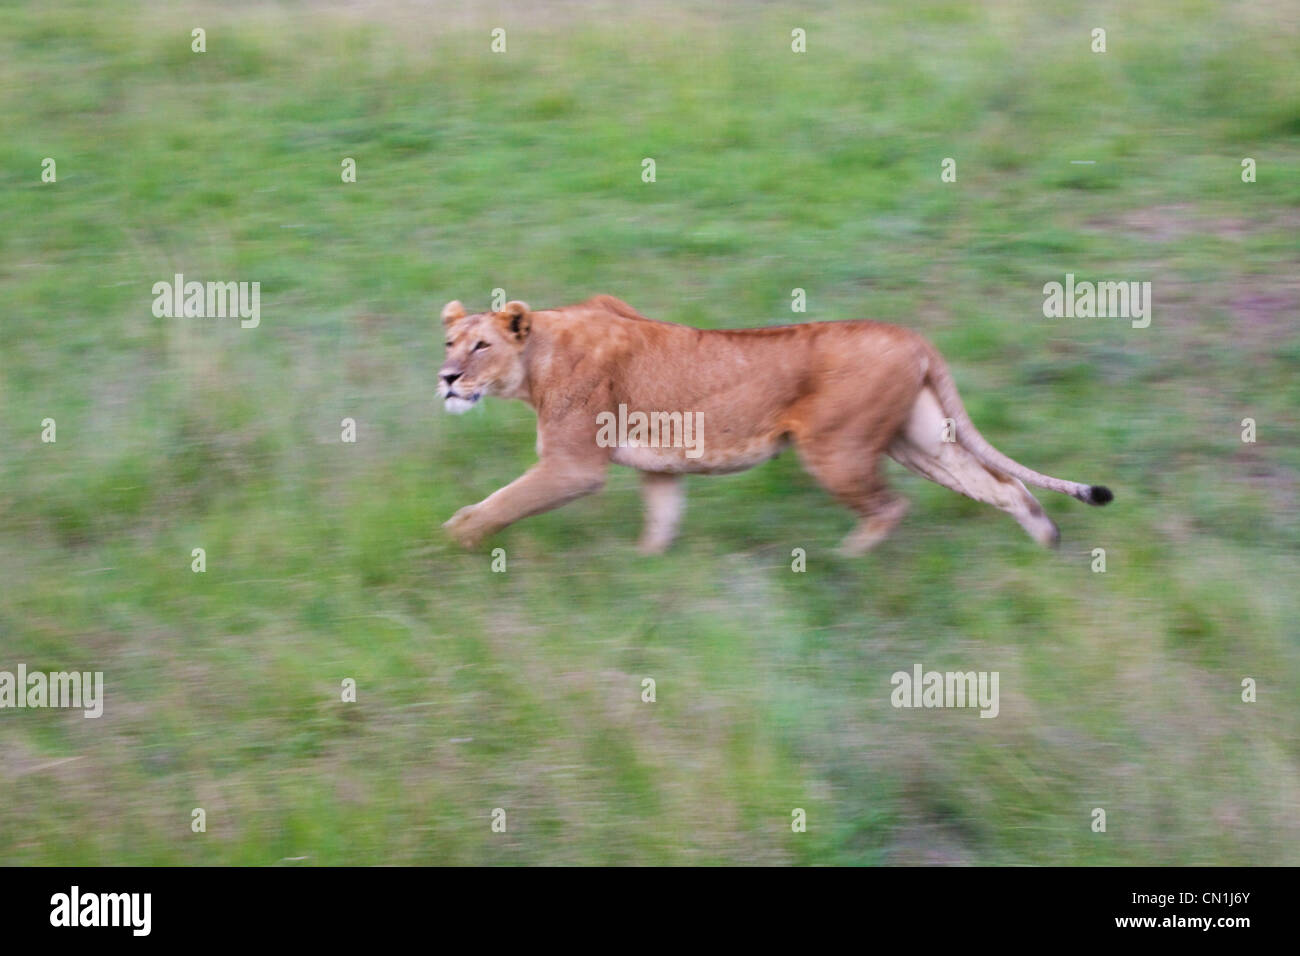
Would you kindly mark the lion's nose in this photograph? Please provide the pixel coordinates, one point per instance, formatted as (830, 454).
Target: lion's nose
(450, 377)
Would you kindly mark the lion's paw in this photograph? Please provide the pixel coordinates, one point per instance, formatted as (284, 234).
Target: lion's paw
(461, 527)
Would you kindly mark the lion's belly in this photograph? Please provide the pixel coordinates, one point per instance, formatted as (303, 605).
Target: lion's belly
(713, 457)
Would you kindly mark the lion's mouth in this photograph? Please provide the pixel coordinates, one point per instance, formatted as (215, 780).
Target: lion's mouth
(456, 403)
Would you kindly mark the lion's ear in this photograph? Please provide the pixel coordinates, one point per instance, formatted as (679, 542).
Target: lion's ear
(515, 320)
(452, 313)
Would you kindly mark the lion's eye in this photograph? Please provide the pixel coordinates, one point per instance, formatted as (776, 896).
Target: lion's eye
(480, 345)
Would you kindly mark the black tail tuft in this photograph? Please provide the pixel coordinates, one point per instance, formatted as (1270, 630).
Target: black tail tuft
(1099, 495)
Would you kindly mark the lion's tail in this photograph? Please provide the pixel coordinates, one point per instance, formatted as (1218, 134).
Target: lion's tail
(969, 438)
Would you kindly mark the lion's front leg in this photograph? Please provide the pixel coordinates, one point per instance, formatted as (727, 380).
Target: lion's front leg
(462, 528)
(665, 499)
(546, 485)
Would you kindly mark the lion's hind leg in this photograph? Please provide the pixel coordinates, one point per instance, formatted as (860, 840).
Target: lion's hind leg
(874, 528)
(854, 478)
(923, 447)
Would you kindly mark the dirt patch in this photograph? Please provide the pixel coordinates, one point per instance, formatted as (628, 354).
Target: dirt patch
(1170, 223)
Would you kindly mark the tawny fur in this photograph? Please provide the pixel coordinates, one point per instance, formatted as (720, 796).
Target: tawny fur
(842, 393)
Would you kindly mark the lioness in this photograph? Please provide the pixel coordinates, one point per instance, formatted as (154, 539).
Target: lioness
(843, 393)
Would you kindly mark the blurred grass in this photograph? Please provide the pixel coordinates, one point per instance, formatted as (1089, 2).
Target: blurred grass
(522, 690)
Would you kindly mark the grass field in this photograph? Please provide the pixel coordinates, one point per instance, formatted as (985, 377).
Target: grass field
(522, 171)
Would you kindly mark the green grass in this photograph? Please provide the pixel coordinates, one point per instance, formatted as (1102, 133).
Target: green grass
(523, 690)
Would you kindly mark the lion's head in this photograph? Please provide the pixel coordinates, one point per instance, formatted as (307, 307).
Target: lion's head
(484, 354)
